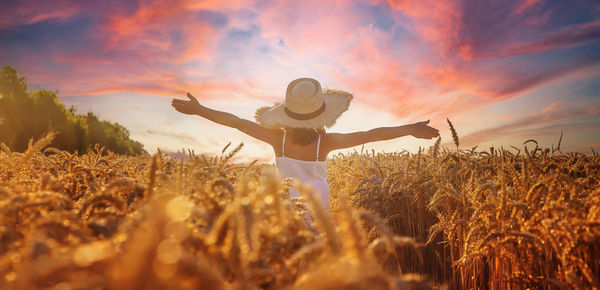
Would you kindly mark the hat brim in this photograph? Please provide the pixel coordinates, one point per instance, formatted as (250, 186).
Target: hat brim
(336, 103)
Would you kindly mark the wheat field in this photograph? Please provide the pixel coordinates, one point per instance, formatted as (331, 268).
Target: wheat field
(441, 218)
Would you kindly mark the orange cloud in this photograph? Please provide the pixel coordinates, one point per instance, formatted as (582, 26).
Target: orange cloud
(552, 106)
(161, 31)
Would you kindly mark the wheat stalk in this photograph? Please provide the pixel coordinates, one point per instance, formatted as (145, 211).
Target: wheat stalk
(454, 134)
(436, 147)
(34, 148)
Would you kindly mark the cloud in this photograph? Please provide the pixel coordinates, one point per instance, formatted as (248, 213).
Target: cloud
(575, 116)
(552, 106)
(437, 22)
(179, 136)
(505, 80)
(310, 28)
(161, 31)
(568, 36)
(174, 46)
(27, 12)
(524, 6)
(507, 86)
(488, 29)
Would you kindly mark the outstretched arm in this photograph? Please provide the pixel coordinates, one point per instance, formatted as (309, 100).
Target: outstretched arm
(419, 130)
(193, 107)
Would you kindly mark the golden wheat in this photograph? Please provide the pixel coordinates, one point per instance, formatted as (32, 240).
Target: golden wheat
(466, 219)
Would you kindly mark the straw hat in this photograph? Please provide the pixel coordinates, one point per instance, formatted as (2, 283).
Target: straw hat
(306, 105)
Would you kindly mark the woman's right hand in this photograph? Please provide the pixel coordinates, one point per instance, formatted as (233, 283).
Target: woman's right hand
(423, 131)
(190, 107)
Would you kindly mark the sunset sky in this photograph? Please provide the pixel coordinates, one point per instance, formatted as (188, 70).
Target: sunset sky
(502, 71)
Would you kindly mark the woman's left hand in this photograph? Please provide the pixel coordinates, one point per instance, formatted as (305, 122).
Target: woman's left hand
(190, 107)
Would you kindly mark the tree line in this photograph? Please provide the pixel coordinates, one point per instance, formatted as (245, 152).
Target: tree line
(26, 114)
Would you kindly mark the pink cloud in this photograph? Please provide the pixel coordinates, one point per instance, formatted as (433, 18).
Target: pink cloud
(26, 12)
(525, 5)
(309, 27)
(149, 32)
(140, 54)
(552, 106)
(478, 29)
(437, 22)
(500, 82)
(360, 57)
(60, 14)
(545, 123)
(568, 36)
(141, 50)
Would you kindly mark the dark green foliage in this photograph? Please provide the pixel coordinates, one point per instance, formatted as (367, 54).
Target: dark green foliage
(30, 114)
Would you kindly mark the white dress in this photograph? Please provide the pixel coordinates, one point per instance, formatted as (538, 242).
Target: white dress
(308, 172)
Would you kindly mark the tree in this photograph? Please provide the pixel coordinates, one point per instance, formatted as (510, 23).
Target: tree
(30, 114)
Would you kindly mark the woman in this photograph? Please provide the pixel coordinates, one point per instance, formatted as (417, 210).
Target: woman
(300, 120)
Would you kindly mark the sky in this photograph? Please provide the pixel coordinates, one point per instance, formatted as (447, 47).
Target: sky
(502, 71)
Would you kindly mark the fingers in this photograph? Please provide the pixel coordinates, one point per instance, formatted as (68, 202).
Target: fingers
(178, 104)
(192, 97)
(432, 133)
(428, 136)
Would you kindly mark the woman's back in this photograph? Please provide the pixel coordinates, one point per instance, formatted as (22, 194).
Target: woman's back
(312, 172)
(302, 144)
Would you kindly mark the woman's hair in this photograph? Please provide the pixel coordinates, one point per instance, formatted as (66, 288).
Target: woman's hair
(304, 136)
